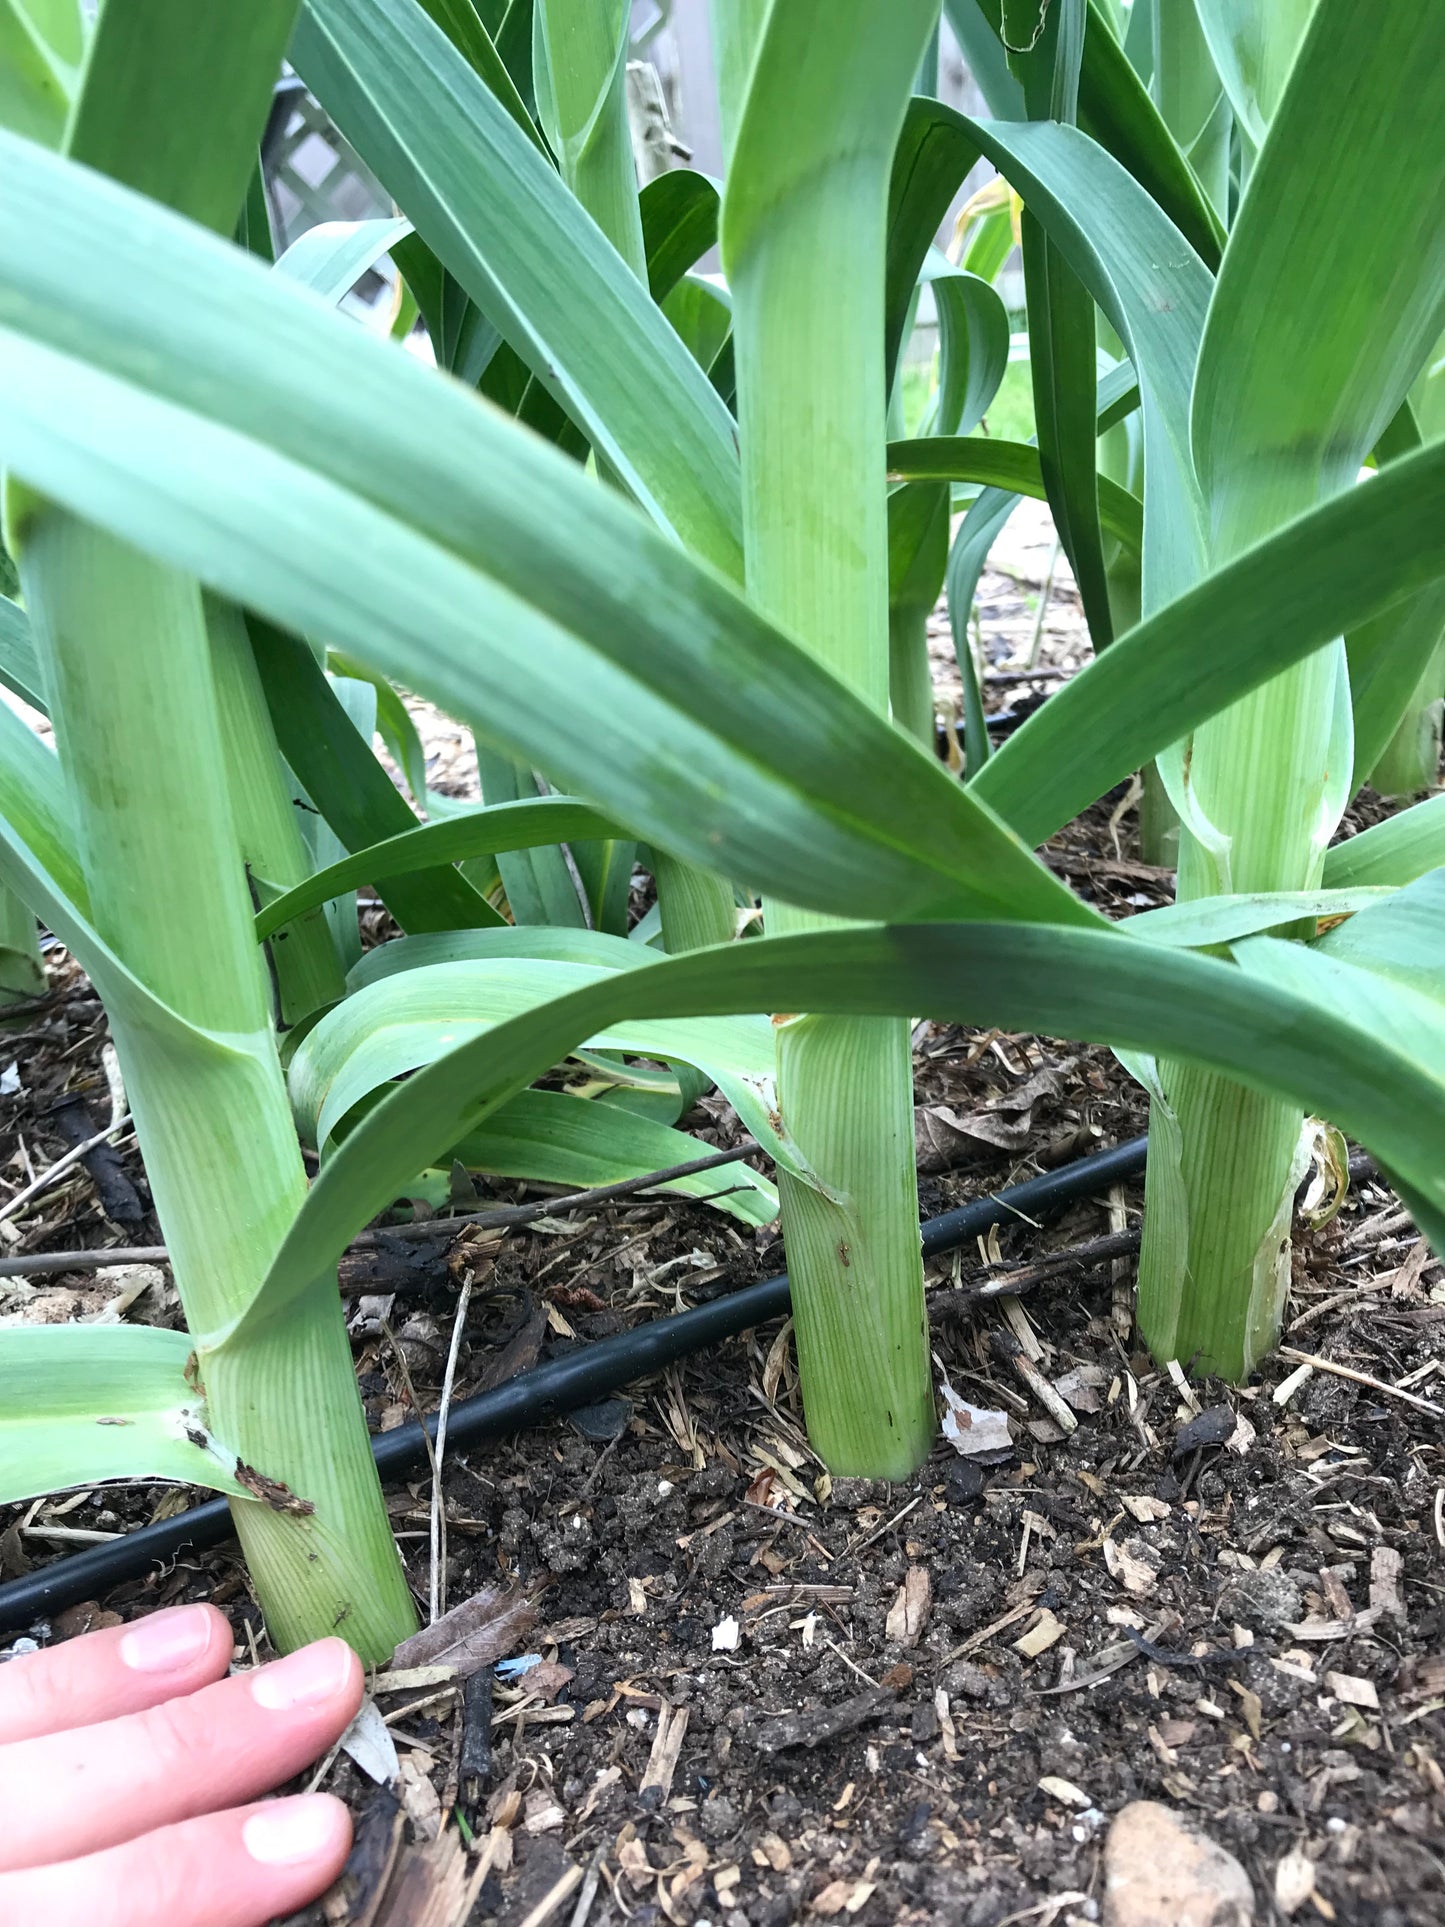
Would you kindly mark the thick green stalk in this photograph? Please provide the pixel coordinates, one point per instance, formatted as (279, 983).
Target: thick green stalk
(1296, 379)
(1121, 458)
(737, 28)
(137, 728)
(1411, 761)
(22, 973)
(1269, 778)
(1195, 108)
(580, 57)
(804, 226)
(918, 520)
(171, 103)
(304, 961)
(580, 68)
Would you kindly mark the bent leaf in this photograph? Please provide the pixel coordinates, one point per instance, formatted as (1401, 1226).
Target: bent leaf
(500, 219)
(84, 1403)
(1088, 984)
(1007, 465)
(1328, 570)
(553, 1138)
(484, 832)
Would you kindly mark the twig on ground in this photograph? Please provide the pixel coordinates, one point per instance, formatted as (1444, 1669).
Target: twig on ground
(1363, 1378)
(41, 1262)
(438, 1503)
(589, 1888)
(887, 1526)
(553, 1898)
(412, 1399)
(1043, 673)
(1003, 1284)
(62, 1164)
(509, 1214)
(1369, 1293)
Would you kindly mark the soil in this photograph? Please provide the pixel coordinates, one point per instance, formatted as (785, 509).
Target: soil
(765, 1695)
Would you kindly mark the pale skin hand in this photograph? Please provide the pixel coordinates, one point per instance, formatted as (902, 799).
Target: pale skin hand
(132, 1770)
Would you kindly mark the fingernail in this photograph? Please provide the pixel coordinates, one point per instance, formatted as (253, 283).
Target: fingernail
(315, 1674)
(167, 1641)
(290, 1830)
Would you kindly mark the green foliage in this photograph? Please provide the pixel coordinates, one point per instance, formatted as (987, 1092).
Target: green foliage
(698, 636)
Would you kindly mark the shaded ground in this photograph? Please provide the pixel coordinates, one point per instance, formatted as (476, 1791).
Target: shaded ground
(988, 1661)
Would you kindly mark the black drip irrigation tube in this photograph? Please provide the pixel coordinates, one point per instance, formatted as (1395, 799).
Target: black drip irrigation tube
(562, 1385)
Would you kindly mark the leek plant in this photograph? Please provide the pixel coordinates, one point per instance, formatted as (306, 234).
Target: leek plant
(1261, 788)
(139, 702)
(681, 619)
(804, 235)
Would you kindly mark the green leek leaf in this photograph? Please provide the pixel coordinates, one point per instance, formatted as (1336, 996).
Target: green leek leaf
(331, 257)
(1271, 606)
(1403, 847)
(84, 1403)
(501, 221)
(1065, 982)
(1006, 465)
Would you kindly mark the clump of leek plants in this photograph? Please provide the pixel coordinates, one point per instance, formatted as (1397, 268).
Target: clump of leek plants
(640, 538)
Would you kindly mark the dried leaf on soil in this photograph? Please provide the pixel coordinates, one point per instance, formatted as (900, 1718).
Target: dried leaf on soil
(478, 1632)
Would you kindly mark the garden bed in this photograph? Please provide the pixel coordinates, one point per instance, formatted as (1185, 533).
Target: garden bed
(766, 1695)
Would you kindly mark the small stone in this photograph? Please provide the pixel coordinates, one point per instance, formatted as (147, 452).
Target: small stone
(924, 1723)
(602, 1422)
(1263, 1601)
(1294, 1882)
(1161, 1871)
(719, 1817)
(1212, 1427)
(964, 1482)
(725, 1635)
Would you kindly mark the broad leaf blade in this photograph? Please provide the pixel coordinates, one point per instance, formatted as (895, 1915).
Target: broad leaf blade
(502, 222)
(1096, 985)
(1403, 847)
(84, 1403)
(484, 832)
(1270, 607)
(330, 481)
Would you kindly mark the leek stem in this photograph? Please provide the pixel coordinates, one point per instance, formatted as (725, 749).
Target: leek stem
(580, 57)
(307, 969)
(804, 228)
(137, 726)
(1411, 760)
(22, 972)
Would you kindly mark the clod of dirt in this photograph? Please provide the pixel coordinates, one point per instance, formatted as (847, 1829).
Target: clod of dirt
(1158, 1868)
(1264, 1601)
(602, 1422)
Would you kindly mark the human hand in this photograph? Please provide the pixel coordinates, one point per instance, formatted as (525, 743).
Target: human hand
(130, 1770)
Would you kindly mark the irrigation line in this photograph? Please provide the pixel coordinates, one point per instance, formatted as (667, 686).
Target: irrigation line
(582, 1377)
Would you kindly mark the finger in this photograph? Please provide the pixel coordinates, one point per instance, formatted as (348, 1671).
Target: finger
(104, 1675)
(67, 1794)
(237, 1869)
